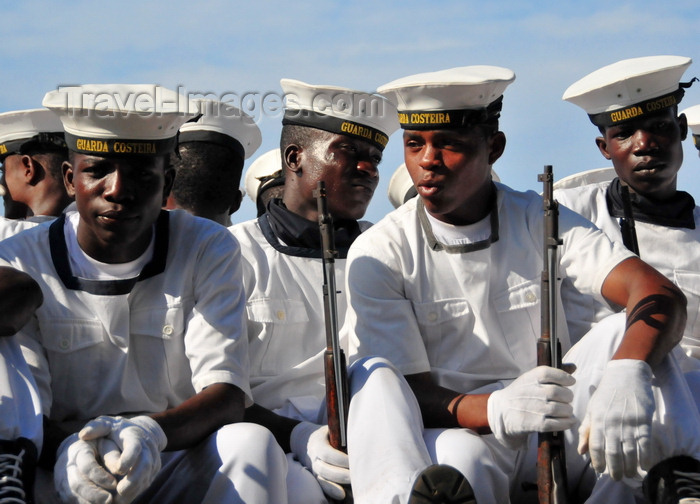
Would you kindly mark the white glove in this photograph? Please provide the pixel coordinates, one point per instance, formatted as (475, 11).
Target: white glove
(79, 477)
(136, 461)
(537, 401)
(312, 448)
(617, 427)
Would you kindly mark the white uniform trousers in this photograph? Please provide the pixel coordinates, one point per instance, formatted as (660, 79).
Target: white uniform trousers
(20, 408)
(239, 464)
(388, 446)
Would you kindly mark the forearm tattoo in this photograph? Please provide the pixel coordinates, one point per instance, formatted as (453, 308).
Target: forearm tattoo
(655, 304)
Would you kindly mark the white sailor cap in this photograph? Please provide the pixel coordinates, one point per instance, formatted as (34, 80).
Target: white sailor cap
(266, 171)
(401, 188)
(223, 124)
(21, 128)
(455, 98)
(630, 89)
(120, 119)
(339, 110)
(693, 116)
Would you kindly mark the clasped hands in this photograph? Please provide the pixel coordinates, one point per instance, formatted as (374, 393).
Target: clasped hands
(111, 460)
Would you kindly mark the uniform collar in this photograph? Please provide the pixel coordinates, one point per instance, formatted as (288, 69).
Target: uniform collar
(59, 256)
(293, 235)
(677, 212)
(459, 249)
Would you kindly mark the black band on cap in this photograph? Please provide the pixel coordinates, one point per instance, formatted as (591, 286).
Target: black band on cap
(696, 141)
(449, 119)
(213, 137)
(303, 117)
(639, 110)
(120, 146)
(49, 141)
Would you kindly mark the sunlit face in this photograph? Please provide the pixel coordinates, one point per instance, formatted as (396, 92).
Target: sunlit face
(119, 199)
(451, 170)
(349, 168)
(647, 153)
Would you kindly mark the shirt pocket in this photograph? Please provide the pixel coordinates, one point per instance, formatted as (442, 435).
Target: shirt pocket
(447, 327)
(74, 350)
(689, 283)
(157, 347)
(518, 310)
(280, 335)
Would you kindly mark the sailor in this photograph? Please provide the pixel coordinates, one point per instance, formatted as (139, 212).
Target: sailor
(32, 150)
(139, 348)
(210, 160)
(329, 134)
(634, 105)
(447, 288)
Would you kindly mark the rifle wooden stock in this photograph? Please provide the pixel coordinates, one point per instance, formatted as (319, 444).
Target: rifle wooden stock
(333, 402)
(551, 462)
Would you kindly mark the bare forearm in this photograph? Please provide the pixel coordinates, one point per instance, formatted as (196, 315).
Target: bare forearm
(445, 408)
(20, 296)
(656, 311)
(201, 415)
(280, 426)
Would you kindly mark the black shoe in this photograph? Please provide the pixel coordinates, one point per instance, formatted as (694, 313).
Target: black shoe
(441, 484)
(674, 481)
(17, 470)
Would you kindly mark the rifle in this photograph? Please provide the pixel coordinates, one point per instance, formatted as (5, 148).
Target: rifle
(337, 398)
(551, 463)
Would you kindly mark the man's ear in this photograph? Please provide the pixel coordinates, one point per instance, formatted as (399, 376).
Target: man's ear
(602, 146)
(236, 200)
(292, 158)
(169, 174)
(683, 124)
(67, 170)
(497, 145)
(32, 171)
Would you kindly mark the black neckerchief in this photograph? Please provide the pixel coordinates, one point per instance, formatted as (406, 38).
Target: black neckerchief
(302, 237)
(59, 256)
(677, 212)
(468, 247)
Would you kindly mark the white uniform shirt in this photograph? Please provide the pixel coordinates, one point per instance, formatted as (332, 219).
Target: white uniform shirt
(98, 348)
(286, 324)
(675, 252)
(470, 318)
(10, 227)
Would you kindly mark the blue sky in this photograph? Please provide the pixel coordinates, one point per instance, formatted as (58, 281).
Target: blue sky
(231, 47)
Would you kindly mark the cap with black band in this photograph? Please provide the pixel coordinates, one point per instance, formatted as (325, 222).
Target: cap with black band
(630, 89)
(24, 130)
(222, 124)
(455, 98)
(339, 110)
(120, 119)
(692, 114)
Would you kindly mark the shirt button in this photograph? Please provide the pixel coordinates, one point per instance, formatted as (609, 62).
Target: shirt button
(280, 315)
(530, 297)
(432, 316)
(64, 344)
(167, 330)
